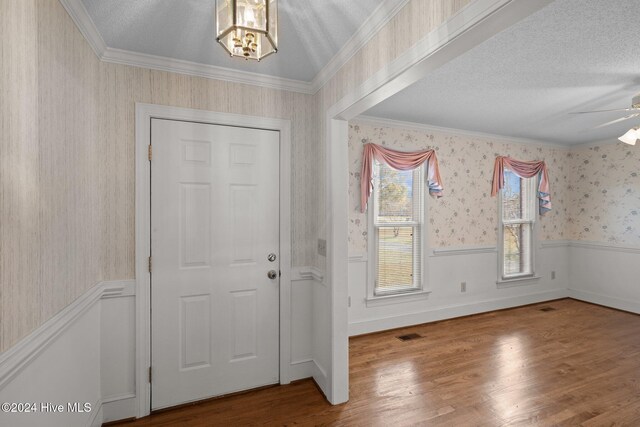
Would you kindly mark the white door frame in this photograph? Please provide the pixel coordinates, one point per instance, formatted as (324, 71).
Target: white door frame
(144, 114)
(474, 24)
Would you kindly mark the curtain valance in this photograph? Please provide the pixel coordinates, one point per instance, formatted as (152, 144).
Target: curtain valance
(399, 160)
(524, 170)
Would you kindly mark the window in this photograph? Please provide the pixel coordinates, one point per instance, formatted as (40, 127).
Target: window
(397, 230)
(517, 226)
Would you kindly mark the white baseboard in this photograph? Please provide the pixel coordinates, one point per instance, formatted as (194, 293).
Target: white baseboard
(301, 369)
(118, 407)
(441, 313)
(98, 416)
(607, 301)
(320, 377)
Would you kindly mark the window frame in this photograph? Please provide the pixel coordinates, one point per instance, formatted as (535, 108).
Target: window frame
(521, 277)
(400, 295)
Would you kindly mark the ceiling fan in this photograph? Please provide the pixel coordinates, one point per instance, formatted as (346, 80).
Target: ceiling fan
(633, 134)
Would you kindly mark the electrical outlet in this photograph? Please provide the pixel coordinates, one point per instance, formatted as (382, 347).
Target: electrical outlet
(553, 275)
(322, 247)
(463, 286)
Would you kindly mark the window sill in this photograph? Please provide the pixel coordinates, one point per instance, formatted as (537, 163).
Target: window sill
(517, 281)
(400, 298)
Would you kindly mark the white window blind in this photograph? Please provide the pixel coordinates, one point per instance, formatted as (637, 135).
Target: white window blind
(398, 219)
(518, 204)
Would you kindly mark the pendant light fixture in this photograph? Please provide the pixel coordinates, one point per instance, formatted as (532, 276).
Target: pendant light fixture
(248, 28)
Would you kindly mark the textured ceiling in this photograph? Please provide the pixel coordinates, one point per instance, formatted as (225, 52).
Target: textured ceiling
(573, 55)
(311, 32)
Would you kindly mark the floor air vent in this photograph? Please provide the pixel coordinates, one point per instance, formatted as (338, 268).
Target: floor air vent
(547, 309)
(409, 337)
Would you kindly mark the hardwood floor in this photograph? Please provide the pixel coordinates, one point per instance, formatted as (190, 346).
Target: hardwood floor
(576, 365)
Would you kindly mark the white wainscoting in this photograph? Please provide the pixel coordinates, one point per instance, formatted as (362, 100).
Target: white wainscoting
(310, 333)
(605, 274)
(86, 353)
(118, 355)
(61, 362)
(447, 268)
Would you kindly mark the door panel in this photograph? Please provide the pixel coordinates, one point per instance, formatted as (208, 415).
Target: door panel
(214, 218)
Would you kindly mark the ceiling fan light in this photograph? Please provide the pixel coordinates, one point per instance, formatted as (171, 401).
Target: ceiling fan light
(630, 137)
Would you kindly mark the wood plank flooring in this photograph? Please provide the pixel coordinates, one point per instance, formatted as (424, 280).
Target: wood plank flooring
(576, 365)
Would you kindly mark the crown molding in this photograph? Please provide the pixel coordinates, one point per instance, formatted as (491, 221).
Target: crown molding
(80, 16)
(161, 63)
(379, 18)
(613, 140)
(369, 28)
(378, 121)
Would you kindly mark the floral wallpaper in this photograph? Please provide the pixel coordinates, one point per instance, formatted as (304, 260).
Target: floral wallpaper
(604, 194)
(467, 214)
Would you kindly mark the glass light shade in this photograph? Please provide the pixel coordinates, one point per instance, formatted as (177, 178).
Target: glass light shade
(630, 137)
(248, 28)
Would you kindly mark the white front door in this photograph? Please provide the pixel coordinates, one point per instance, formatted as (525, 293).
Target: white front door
(214, 223)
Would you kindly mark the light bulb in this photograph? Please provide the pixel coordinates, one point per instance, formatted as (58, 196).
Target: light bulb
(630, 137)
(249, 16)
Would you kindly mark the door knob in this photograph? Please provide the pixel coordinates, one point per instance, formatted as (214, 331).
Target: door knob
(272, 274)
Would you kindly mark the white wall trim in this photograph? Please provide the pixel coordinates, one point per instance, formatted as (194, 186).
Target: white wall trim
(610, 141)
(420, 127)
(604, 246)
(548, 244)
(320, 376)
(104, 403)
(162, 63)
(449, 312)
(472, 250)
(369, 28)
(358, 258)
(463, 250)
(118, 397)
(18, 357)
(144, 114)
(86, 26)
(82, 19)
(97, 414)
(301, 369)
(309, 273)
(114, 408)
(607, 301)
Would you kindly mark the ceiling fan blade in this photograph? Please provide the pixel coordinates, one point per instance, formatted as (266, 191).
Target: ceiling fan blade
(606, 111)
(631, 116)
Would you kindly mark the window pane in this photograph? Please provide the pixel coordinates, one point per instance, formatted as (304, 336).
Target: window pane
(517, 250)
(394, 193)
(396, 258)
(512, 196)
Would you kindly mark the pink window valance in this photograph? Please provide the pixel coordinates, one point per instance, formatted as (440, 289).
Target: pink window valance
(399, 160)
(524, 170)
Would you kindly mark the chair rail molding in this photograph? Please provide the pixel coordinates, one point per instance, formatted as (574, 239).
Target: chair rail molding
(18, 357)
